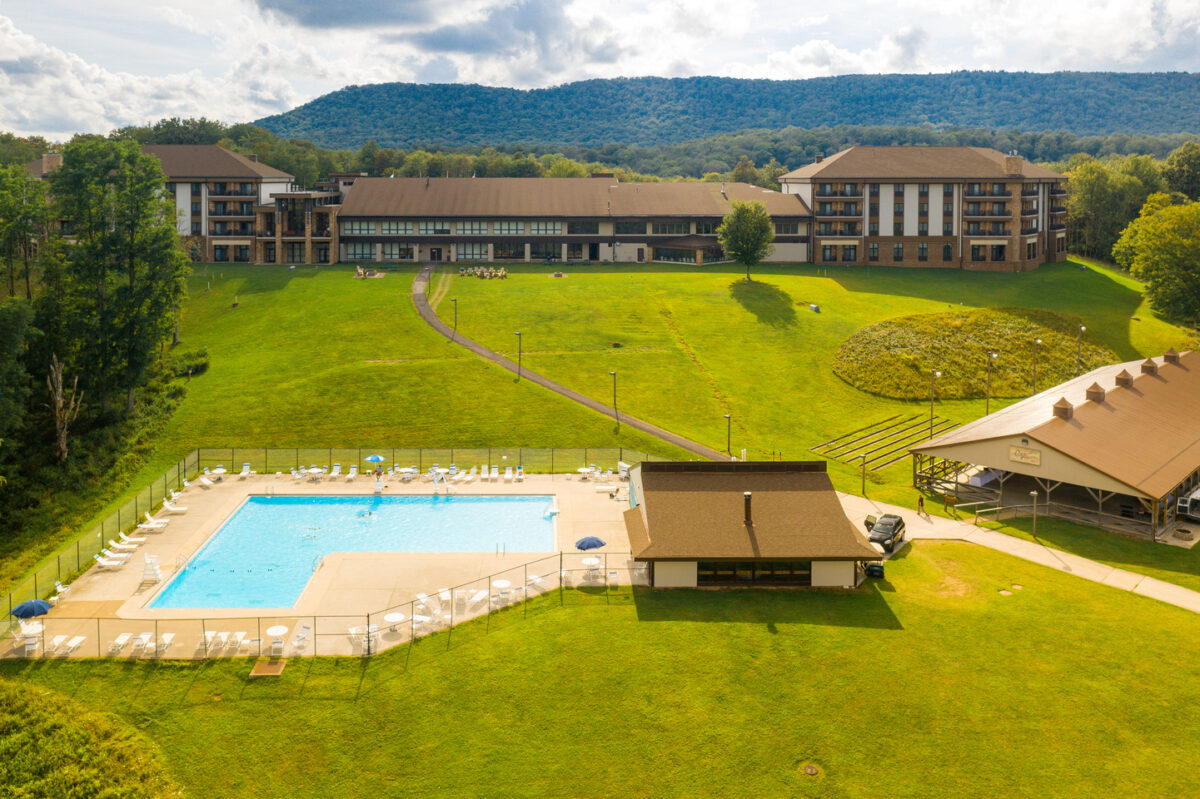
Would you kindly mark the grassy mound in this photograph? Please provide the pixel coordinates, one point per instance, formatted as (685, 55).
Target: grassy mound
(50, 746)
(893, 358)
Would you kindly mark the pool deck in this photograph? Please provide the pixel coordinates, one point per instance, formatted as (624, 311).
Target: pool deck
(345, 584)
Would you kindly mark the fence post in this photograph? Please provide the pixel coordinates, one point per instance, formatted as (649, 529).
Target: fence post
(420, 459)
(552, 460)
(585, 462)
(297, 457)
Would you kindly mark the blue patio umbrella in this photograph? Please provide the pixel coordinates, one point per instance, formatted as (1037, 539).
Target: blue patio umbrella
(374, 459)
(31, 608)
(591, 542)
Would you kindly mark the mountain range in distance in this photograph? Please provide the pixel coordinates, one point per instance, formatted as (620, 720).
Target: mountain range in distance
(649, 110)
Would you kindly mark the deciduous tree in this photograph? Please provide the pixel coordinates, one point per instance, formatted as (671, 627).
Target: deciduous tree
(746, 234)
(1182, 170)
(1162, 247)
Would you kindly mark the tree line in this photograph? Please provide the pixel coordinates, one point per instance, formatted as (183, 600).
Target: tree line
(91, 304)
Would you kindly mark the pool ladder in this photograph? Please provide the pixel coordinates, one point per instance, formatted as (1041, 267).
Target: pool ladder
(316, 564)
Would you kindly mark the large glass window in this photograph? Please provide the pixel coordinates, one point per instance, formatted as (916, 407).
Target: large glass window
(637, 228)
(947, 252)
(670, 228)
(977, 253)
(356, 227)
(583, 228)
(472, 228)
(394, 228)
(827, 253)
(545, 250)
(397, 251)
(922, 252)
(472, 251)
(897, 228)
(773, 572)
(575, 251)
(998, 252)
(509, 228)
(850, 253)
(509, 251)
(437, 227)
(544, 228)
(674, 255)
(707, 227)
(359, 251)
(897, 252)
(873, 252)
(787, 228)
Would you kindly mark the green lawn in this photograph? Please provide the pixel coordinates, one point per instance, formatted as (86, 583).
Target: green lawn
(929, 684)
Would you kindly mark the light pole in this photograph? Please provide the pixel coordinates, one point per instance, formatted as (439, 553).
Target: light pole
(616, 415)
(1033, 496)
(933, 375)
(728, 433)
(1079, 351)
(518, 335)
(1036, 342)
(455, 301)
(987, 402)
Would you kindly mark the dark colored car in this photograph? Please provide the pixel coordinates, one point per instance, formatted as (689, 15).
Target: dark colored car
(887, 530)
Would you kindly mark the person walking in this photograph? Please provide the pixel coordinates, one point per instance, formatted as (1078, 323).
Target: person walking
(920, 504)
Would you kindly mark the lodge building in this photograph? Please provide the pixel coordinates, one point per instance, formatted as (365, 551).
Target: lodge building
(997, 212)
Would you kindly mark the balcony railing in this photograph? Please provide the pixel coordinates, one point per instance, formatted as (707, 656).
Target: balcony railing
(840, 213)
(213, 191)
(991, 214)
(243, 232)
(1029, 192)
(1058, 192)
(987, 232)
(1057, 227)
(842, 193)
(227, 213)
(845, 231)
(988, 193)
(265, 234)
(1029, 212)
(1029, 231)
(1058, 209)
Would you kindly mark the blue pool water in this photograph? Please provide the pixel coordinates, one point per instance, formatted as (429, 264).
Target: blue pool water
(266, 552)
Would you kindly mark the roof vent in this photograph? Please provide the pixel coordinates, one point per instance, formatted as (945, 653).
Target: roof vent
(1124, 379)
(1171, 356)
(1095, 393)
(1063, 409)
(1149, 367)
(749, 518)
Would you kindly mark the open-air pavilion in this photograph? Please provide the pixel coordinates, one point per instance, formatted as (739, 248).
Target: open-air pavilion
(1114, 448)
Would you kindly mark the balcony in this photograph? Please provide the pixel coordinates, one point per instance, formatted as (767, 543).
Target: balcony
(843, 193)
(843, 232)
(1029, 191)
(988, 193)
(979, 212)
(1058, 209)
(1029, 231)
(1058, 191)
(857, 214)
(1001, 233)
(227, 214)
(227, 191)
(265, 234)
(227, 233)
(1057, 227)
(1029, 212)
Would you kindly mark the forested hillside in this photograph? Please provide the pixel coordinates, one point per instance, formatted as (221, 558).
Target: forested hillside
(650, 111)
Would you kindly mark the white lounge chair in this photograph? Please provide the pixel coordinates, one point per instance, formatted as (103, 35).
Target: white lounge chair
(152, 524)
(118, 643)
(186, 484)
(353, 472)
(132, 539)
(72, 645)
(301, 636)
(336, 471)
(171, 507)
(60, 588)
(108, 563)
(236, 640)
(219, 640)
(204, 481)
(508, 474)
(494, 475)
(55, 643)
(119, 547)
(140, 642)
(164, 642)
(245, 472)
(520, 474)
(110, 555)
(469, 476)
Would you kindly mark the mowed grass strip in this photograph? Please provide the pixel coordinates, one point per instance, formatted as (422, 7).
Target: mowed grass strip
(931, 683)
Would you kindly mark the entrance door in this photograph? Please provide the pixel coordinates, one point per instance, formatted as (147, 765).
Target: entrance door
(435, 253)
(593, 252)
(641, 254)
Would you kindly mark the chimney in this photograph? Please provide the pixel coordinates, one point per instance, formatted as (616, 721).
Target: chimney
(820, 158)
(1013, 164)
(1149, 367)
(51, 162)
(1063, 409)
(1095, 393)
(723, 190)
(1124, 379)
(749, 519)
(1171, 356)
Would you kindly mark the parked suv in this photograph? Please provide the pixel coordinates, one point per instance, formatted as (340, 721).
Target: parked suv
(887, 530)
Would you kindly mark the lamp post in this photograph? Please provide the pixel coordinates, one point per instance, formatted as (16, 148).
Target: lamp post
(987, 402)
(933, 375)
(518, 335)
(1079, 351)
(1036, 342)
(1033, 496)
(455, 301)
(728, 433)
(616, 415)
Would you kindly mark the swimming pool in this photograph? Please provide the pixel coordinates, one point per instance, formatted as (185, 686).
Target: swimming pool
(265, 554)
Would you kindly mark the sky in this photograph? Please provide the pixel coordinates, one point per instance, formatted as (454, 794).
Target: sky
(71, 66)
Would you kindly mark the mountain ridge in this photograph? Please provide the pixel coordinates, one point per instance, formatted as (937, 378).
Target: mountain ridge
(653, 110)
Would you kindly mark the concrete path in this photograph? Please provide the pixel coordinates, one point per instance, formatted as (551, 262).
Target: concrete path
(938, 528)
(426, 313)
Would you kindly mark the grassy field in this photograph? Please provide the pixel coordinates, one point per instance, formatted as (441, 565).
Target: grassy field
(931, 683)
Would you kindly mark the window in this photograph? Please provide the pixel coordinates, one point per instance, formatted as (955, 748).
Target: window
(898, 209)
(947, 189)
(977, 252)
(1062, 243)
(1031, 250)
(707, 227)
(196, 189)
(922, 228)
(872, 252)
(897, 228)
(583, 228)
(544, 228)
(922, 252)
(874, 209)
(575, 251)
(195, 209)
(824, 228)
(947, 209)
(850, 253)
(359, 251)
(975, 188)
(947, 228)
(947, 252)
(898, 190)
(220, 253)
(826, 188)
(358, 227)
(827, 253)
(171, 189)
(923, 189)
(509, 228)
(874, 189)
(923, 209)
(873, 227)
(471, 228)
(630, 228)
(471, 251)
(787, 228)
(897, 252)
(997, 252)
(438, 227)
(195, 228)
(394, 228)
(269, 252)
(997, 188)
(541, 250)
(850, 189)
(508, 251)
(670, 228)
(397, 251)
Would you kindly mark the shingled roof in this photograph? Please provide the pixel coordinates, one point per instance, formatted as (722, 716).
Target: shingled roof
(918, 163)
(554, 197)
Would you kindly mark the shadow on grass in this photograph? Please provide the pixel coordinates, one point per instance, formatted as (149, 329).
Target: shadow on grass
(769, 303)
(863, 607)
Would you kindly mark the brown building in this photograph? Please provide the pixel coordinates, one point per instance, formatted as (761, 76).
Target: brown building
(956, 207)
(567, 219)
(731, 523)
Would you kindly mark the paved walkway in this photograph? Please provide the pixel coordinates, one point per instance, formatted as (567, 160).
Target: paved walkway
(938, 528)
(427, 314)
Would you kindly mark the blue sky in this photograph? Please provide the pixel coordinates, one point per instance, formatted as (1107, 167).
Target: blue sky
(91, 66)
